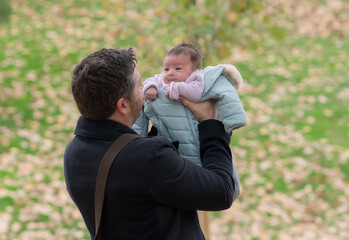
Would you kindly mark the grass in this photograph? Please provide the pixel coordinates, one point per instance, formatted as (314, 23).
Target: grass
(292, 157)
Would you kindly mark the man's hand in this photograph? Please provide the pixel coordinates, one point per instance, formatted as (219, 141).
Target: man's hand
(201, 110)
(151, 94)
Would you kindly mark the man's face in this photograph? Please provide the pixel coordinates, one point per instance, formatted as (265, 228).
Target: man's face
(137, 98)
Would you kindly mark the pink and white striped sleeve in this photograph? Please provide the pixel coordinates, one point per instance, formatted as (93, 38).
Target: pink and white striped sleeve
(192, 88)
(155, 81)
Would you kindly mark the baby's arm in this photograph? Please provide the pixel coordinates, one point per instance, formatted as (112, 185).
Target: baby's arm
(151, 86)
(151, 93)
(192, 88)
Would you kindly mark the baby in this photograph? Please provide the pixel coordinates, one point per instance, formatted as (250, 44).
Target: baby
(181, 75)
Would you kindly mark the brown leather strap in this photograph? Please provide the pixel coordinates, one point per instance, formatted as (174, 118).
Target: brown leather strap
(103, 172)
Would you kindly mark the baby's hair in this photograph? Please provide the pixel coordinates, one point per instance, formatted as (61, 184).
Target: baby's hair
(187, 49)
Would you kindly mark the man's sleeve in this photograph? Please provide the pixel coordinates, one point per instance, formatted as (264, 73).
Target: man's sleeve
(185, 185)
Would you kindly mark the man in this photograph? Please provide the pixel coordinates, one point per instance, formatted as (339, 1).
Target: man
(151, 193)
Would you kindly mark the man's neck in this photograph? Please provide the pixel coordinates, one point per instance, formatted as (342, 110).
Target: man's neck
(117, 118)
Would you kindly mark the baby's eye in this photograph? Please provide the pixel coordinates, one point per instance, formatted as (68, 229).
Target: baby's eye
(166, 69)
(178, 68)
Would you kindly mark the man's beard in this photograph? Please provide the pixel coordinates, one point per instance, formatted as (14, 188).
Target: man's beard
(135, 109)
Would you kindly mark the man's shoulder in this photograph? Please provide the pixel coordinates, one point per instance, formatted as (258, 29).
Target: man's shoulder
(69, 147)
(150, 141)
(155, 144)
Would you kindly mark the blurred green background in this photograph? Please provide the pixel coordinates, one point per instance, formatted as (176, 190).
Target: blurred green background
(292, 157)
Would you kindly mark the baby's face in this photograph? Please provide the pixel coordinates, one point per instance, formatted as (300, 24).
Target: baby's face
(177, 68)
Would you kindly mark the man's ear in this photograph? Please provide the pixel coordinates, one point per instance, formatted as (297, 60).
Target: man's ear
(123, 106)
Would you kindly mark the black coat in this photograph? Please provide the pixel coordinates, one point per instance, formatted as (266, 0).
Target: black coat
(152, 193)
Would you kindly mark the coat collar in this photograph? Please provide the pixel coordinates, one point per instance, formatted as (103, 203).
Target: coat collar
(101, 129)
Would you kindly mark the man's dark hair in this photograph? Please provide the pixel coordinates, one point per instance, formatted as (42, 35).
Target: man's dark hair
(101, 79)
(187, 49)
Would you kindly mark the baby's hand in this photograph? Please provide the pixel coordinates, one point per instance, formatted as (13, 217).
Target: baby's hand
(151, 94)
(167, 93)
